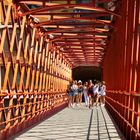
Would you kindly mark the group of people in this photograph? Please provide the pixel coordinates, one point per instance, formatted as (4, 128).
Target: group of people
(93, 93)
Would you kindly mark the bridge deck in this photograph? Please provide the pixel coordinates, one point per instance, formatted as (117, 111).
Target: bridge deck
(80, 123)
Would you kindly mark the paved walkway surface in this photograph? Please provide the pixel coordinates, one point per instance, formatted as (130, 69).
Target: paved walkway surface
(79, 123)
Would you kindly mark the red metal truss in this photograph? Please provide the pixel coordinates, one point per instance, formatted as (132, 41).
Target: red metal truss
(42, 40)
(61, 26)
(75, 24)
(122, 71)
(65, 6)
(35, 74)
(74, 30)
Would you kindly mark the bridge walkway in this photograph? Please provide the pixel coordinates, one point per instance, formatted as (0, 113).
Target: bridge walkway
(79, 123)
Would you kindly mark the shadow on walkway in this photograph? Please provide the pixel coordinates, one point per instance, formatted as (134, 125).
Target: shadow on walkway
(111, 130)
(80, 123)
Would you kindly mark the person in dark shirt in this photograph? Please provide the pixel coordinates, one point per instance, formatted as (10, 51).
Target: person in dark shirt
(80, 91)
(90, 94)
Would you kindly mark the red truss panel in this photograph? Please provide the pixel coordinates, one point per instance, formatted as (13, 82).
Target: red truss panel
(80, 32)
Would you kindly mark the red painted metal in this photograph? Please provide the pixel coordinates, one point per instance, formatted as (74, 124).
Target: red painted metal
(35, 74)
(62, 21)
(42, 55)
(74, 30)
(93, 14)
(75, 20)
(67, 6)
(21, 127)
(121, 71)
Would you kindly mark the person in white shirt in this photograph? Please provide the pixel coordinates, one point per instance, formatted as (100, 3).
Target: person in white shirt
(96, 89)
(74, 89)
(103, 93)
(96, 92)
(85, 91)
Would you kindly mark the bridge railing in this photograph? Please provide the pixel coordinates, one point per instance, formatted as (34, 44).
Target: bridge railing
(27, 110)
(34, 74)
(125, 109)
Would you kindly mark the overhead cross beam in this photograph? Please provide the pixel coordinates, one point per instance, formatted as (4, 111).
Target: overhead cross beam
(72, 21)
(70, 30)
(67, 6)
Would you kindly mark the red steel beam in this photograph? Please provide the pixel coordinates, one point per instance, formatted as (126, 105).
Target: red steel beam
(77, 41)
(87, 45)
(67, 30)
(67, 6)
(87, 23)
(90, 52)
(73, 20)
(75, 37)
(93, 14)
